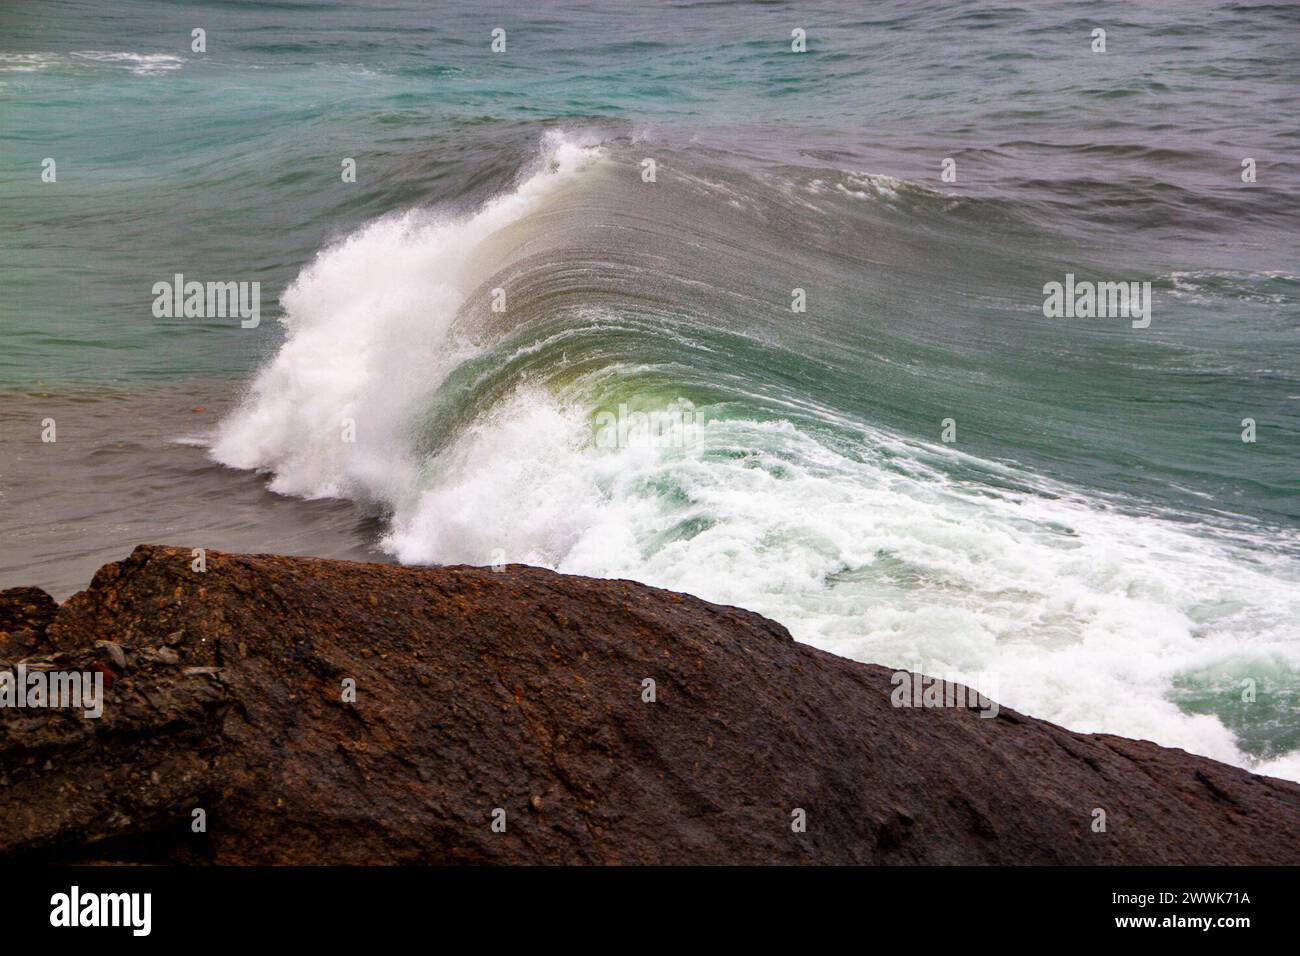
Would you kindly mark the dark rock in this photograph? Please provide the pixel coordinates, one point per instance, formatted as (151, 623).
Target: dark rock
(26, 609)
(521, 690)
(24, 615)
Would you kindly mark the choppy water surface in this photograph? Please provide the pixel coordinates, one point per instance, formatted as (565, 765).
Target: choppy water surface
(1097, 536)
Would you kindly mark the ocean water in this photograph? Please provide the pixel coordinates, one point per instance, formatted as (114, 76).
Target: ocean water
(1095, 540)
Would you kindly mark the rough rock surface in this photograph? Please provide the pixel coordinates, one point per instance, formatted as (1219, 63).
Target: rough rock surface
(522, 690)
(24, 615)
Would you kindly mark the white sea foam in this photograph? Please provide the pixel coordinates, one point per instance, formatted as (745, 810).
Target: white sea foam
(26, 62)
(1087, 615)
(141, 64)
(366, 338)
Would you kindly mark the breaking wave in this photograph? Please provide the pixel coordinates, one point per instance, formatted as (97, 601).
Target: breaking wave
(474, 433)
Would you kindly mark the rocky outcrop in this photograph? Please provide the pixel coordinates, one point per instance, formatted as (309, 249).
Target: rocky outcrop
(24, 615)
(520, 696)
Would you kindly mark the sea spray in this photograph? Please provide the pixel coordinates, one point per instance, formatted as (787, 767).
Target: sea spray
(477, 441)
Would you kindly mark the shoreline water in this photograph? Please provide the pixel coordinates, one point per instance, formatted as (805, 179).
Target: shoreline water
(130, 463)
(148, 451)
(901, 457)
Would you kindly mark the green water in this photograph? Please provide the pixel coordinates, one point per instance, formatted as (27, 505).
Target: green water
(1098, 533)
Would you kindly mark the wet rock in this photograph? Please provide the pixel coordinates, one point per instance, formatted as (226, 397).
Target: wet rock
(522, 689)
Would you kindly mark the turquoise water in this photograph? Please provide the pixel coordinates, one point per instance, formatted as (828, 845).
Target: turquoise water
(1098, 535)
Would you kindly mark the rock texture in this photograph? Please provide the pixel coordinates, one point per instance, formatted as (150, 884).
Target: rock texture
(24, 615)
(522, 690)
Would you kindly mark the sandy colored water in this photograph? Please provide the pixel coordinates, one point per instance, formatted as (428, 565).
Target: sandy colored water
(129, 468)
